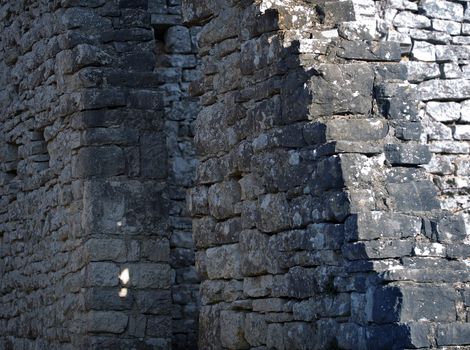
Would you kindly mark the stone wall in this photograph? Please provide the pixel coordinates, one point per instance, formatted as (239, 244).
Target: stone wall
(329, 199)
(328, 210)
(95, 155)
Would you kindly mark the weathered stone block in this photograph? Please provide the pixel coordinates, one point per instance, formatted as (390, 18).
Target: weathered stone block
(259, 286)
(102, 274)
(222, 199)
(100, 298)
(451, 229)
(224, 262)
(444, 111)
(443, 9)
(407, 154)
(159, 326)
(99, 162)
(411, 20)
(377, 249)
(254, 252)
(232, 330)
(356, 129)
(414, 196)
(444, 89)
(373, 225)
(197, 199)
(255, 329)
(370, 51)
(341, 89)
(453, 334)
(107, 322)
(274, 213)
(106, 249)
(127, 207)
(408, 303)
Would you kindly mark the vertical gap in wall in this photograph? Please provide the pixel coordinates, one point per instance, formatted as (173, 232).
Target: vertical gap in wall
(175, 62)
(11, 160)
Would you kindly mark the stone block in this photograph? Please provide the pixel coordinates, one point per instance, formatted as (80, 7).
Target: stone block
(224, 262)
(462, 132)
(397, 101)
(102, 274)
(453, 334)
(101, 298)
(451, 229)
(178, 40)
(334, 13)
(298, 283)
(153, 156)
(436, 89)
(254, 253)
(106, 249)
(380, 249)
(274, 213)
(408, 131)
(159, 326)
(255, 329)
(156, 250)
(149, 275)
(107, 322)
(232, 326)
(373, 225)
(420, 71)
(274, 336)
(370, 51)
(197, 199)
(154, 302)
(413, 196)
(356, 129)
(444, 111)
(204, 232)
(442, 9)
(352, 92)
(409, 19)
(407, 154)
(222, 199)
(129, 207)
(409, 303)
(102, 161)
(259, 286)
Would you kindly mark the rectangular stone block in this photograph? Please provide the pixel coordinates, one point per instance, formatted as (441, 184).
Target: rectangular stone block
(149, 275)
(453, 334)
(413, 196)
(356, 129)
(100, 298)
(380, 249)
(159, 326)
(232, 330)
(153, 156)
(104, 161)
(352, 92)
(224, 262)
(373, 225)
(128, 207)
(102, 274)
(407, 154)
(107, 322)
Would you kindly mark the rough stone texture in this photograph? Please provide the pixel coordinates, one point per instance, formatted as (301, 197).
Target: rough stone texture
(342, 123)
(329, 198)
(96, 155)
